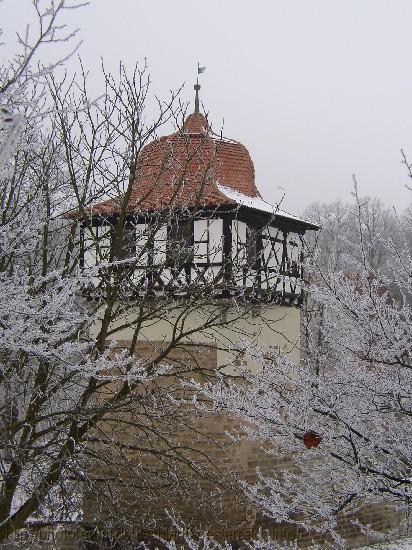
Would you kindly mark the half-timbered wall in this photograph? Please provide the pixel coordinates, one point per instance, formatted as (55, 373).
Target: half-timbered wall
(238, 252)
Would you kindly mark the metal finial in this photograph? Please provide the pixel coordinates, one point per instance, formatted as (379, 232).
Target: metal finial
(197, 88)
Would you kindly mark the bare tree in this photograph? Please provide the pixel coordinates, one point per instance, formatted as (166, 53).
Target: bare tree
(82, 406)
(87, 410)
(112, 298)
(343, 427)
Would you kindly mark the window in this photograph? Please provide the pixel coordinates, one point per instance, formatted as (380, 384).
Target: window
(239, 242)
(159, 245)
(141, 250)
(128, 243)
(294, 255)
(96, 244)
(208, 239)
(179, 250)
(244, 244)
(251, 247)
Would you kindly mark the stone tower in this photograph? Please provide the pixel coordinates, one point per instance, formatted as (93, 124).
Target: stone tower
(198, 224)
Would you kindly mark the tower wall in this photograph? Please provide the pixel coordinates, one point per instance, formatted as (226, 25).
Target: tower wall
(212, 500)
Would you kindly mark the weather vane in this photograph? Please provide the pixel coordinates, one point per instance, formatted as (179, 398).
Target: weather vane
(200, 70)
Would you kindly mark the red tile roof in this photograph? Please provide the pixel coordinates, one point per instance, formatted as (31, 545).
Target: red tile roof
(184, 168)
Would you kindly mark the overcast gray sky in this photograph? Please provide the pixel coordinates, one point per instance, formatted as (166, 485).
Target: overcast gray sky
(315, 89)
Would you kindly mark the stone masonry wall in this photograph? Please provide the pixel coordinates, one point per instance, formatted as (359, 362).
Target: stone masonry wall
(207, 501)
(227, 515)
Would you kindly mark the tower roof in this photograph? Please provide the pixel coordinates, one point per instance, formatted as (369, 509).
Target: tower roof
(186, 168)
(193, 167)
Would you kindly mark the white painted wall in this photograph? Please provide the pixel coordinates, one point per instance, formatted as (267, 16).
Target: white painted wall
(274, 326)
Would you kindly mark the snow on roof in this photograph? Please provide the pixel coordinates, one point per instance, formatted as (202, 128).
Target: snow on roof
(257, 203)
